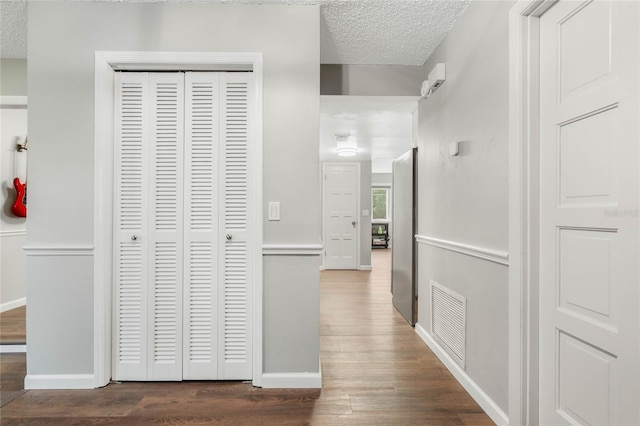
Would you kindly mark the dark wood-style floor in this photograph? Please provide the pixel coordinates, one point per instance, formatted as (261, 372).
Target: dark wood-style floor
(13, 327)
(376, 370)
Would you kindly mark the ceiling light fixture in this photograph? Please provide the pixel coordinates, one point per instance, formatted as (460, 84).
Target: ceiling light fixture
(345, 146)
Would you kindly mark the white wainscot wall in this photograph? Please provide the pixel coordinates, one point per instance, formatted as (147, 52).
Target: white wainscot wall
(480, 275)
(60, 343)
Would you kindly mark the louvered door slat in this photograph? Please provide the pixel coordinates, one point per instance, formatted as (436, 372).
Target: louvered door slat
(166, 225)
(235, 293)
(202, 100)
(131, 209)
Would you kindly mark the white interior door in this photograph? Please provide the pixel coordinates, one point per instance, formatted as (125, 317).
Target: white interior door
(131, 208)
(589, 233)
(148, 228)
(234, 319)
(164, 226)
(340, 215)
(182, 291)
(201, 232)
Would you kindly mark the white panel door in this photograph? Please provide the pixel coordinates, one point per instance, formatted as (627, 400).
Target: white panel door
(340, 216)
(234, 314)
(589, 220)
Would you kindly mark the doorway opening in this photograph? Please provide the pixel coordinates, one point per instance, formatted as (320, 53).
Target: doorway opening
(379, 129)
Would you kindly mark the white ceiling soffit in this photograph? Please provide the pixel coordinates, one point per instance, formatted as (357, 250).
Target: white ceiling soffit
(382, 126)
(375, 32)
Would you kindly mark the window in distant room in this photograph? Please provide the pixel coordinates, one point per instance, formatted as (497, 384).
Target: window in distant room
(380, 203)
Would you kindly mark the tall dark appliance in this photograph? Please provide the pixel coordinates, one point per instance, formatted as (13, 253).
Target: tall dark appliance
(404, 252)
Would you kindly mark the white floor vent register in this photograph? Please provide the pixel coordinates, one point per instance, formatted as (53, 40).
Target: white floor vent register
(448, 320)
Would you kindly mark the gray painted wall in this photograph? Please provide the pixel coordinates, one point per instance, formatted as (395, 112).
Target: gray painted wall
(13, 77)
(13, 82)
(382, 179)
(298, 279)
(13, 127)
(465, 199)
(371, 80)
(365, 221)
(61, 108)
(12, 271)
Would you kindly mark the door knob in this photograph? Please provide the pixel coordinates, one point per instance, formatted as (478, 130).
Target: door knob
(134, 237)
(354, 223)
(229, 237)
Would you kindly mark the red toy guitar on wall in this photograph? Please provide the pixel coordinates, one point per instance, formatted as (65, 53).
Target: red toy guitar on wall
(19, 207)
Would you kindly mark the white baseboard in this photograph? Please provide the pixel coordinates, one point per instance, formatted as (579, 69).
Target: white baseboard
(59, 381)
(292, 380)
(13, 304)
(485, 402)
(364, 268)
(13, 349)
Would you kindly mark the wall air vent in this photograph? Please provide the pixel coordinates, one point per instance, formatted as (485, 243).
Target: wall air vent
(448, 321)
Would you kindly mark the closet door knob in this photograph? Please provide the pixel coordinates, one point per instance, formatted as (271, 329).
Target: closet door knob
(134, 237)
(229, 237)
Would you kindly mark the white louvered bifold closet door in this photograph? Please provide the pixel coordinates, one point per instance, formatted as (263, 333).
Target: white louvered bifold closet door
(200, 351)
(182, 216)
(131, 210)
(166, 225)
(235, 295)
(149, 226)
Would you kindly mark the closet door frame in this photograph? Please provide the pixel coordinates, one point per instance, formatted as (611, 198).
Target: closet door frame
(106, 63)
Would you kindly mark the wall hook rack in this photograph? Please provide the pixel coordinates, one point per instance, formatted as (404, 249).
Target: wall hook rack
(22, 147)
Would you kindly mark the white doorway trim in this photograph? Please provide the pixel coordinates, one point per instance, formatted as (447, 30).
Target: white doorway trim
(524, 208)
(105, 65)
(358, 202)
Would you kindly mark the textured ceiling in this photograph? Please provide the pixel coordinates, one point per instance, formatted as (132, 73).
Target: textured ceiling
(402, 32)
(13, 29)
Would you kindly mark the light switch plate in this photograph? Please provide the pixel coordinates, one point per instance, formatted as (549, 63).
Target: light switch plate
(274, 210)
(365, 213)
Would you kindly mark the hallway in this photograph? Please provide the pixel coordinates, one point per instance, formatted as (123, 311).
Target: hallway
(373, 359)
(376, 370)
